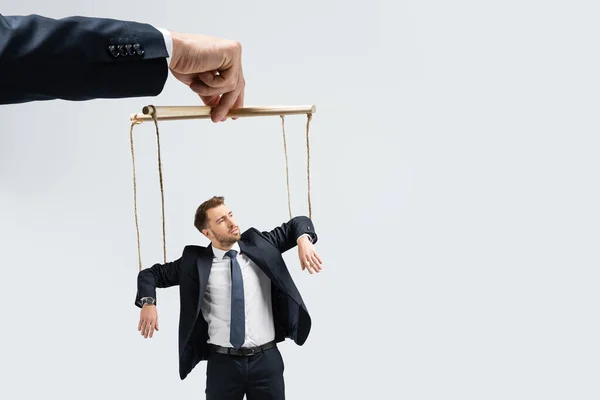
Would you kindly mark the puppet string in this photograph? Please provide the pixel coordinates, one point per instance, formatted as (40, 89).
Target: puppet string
(309, 117)
(162, 193)
(137, 228)
(287, 177)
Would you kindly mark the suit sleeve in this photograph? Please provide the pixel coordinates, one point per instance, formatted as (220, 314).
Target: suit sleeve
(284, 237)
(158, 276)
(79, 58)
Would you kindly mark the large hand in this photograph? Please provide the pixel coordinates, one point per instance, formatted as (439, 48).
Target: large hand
(309, 259)
(211, 67)
(148, 320)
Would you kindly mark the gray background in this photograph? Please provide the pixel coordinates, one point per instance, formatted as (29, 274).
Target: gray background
(455, 178)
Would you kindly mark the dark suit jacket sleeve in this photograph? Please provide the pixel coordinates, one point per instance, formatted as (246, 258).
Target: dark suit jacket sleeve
(158, 276)
(285, 237)
(70, 58)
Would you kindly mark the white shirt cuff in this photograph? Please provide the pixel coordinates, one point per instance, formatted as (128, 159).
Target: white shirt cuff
(304, 234)
(168, 41)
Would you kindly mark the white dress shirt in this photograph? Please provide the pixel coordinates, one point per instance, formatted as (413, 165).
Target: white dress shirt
(216, 307)
(168, 42)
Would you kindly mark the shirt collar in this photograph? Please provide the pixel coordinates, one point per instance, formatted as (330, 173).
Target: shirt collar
(219, 254)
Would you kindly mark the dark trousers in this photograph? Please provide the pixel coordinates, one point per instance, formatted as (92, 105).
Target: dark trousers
(259, 377)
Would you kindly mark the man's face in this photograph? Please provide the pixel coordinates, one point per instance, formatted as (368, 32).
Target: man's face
(221, 226)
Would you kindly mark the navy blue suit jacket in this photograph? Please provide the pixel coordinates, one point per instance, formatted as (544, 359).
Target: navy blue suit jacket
(79, 58)
(191, 272)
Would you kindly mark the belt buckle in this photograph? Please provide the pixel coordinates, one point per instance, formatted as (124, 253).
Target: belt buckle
(248, 351)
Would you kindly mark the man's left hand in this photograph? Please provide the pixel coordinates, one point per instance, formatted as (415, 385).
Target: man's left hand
(309, 259)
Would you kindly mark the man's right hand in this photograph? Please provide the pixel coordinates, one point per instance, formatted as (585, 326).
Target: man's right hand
(211, 67)
(148, 320)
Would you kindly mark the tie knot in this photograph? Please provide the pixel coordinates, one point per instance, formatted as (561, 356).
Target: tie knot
(231, 254)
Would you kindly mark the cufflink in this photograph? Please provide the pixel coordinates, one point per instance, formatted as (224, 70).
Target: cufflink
(112, 49)
(138, 49)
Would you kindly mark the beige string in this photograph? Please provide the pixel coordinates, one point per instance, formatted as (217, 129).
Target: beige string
(307, 163)
(162, 193)
(287, 177)
(137, 227)
(309, 115)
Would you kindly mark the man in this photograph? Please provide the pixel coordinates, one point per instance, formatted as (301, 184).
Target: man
(238, 301)
(82, 58)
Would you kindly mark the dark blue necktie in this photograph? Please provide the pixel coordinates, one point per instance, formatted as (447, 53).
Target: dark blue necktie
(237, 331)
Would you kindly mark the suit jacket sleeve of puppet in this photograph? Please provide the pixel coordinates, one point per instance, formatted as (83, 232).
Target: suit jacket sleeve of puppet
(157, 276)
(79, 58)
(285, 237)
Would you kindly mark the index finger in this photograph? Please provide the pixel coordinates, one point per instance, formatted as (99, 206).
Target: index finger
(239, 103)
(229, 99)
(213, 80)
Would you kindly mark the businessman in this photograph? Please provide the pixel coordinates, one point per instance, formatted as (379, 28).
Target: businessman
(82, 58)
(238, 301)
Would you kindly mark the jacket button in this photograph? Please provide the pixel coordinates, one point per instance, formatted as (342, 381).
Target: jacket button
(113, 50)
(130, 50)
(138, 49)
(122, 50)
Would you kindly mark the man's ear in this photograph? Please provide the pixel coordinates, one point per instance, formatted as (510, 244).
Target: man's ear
(206, 232)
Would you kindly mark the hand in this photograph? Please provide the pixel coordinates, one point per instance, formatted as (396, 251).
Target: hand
(309, 259)
(211, 67)
(148, 320)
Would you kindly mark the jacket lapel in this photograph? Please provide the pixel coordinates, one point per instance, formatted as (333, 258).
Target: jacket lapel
(204, 264)
(252, 252)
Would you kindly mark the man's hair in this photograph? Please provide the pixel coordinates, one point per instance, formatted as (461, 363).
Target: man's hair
(201, 219)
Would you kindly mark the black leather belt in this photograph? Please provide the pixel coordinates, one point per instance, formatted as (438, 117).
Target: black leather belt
(244, 351)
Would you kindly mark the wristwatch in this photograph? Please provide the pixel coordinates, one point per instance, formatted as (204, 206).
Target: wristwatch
(148, 300)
